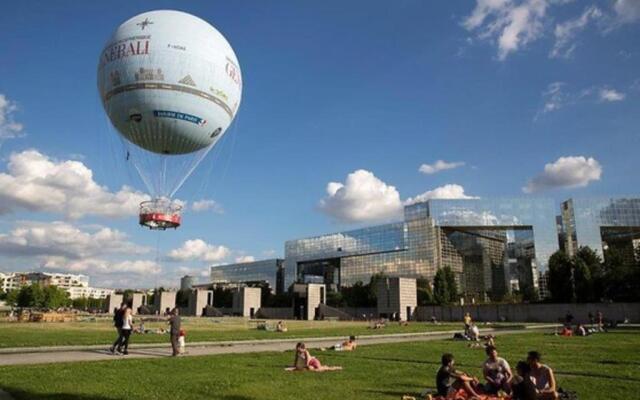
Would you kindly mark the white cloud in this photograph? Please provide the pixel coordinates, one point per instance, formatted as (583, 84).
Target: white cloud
(566, 172)
(206, 205)
(610, 95)
(199, 250)
(566, 32)
(555, 97)
(9, 128)
(36, 182)
(97, 266)
(438, 166)
(627, 11)
(511, 24)
(363, 197)
(449, 191)
(245, 259)
(66, 240)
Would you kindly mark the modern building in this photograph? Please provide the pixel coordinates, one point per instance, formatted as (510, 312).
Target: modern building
(602, 224)
(493, 246)
(76, 285)
(269, 271)
(187, 282)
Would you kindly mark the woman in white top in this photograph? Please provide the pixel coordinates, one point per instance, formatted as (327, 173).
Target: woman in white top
(127, 326)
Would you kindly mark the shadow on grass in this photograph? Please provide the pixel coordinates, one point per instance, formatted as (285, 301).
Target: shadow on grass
(23, 394)
(612, 362)
(592, 375)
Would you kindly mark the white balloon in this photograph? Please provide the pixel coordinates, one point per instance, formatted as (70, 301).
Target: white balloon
(169, 82)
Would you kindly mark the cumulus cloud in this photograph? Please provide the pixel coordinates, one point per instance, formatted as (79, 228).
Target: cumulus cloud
(511, 24)
(199, 250)
(627, 11)
(566, 32)
(566, 172)
(610, 95)
(65, 240)
(449, 191)
(362, 197)
(206, 205)
(9, 128)
(438, 166)
(36, 182)
(245, 259)
(100, 266)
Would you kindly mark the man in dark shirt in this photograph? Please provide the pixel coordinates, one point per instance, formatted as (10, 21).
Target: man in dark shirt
(449, 380)
(174, 331)
(117, 323)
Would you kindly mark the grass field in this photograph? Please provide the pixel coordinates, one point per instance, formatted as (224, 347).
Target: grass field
(198, 330)
(599, 367)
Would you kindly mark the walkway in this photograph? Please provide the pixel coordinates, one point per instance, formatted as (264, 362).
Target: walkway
(40, 355)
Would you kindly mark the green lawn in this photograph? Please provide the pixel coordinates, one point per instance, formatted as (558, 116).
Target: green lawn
(198, 330)
(598, 367)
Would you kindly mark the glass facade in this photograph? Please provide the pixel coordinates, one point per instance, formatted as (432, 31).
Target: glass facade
(535, 214)
(473, 237)
(600, 222)
(269, 271)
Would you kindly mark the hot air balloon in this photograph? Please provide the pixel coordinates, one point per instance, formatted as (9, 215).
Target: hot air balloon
(171, 85)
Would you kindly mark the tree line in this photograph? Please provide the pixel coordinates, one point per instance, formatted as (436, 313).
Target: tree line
(586, 277)
(47, 297)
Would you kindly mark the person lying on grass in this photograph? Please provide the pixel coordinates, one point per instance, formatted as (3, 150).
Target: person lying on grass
(304, 361)
(449, 380)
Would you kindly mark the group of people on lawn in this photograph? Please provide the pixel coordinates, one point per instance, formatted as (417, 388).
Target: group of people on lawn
(123, 322)
(532, 381)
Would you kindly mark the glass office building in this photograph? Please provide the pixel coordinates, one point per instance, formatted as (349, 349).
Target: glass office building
(493, 246)
(472, 237)
(269, 271)
(602, 223)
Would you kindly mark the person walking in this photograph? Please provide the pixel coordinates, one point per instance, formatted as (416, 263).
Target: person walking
(127, 327)
(174, 331)
(117, 323)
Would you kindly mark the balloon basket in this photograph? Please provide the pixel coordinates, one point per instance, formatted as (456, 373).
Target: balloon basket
(160, 214)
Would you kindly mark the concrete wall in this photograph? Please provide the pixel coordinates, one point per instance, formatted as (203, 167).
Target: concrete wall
(397, 296)
(275, 313)
(245, 299)
(198, 300)
(316, 295)
(113, 301)
(360, 313)
(138, 300)
(531, 312)
(164, 300)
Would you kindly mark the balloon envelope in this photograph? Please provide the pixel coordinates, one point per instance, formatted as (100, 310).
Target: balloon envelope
(169, 82)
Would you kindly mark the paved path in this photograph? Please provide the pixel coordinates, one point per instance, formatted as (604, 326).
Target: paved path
(17, 356)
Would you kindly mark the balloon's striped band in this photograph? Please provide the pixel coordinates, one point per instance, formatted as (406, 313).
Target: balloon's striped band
(167, 86)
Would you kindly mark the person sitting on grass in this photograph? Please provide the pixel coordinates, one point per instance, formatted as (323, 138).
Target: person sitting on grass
(522, 388)
(448, 380)
(350, 344)
(281, 327)
(542, 377)
(497, 372)
(304, 361)
(581, 331)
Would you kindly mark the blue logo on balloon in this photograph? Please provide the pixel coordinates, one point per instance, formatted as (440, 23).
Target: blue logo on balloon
(181, 116)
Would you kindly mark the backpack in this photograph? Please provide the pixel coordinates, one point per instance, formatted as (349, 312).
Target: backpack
(118, 319)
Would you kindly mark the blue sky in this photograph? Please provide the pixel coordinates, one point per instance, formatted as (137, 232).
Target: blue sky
(516, 98)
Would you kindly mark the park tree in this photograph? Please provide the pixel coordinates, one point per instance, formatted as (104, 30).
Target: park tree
(31, 296)
(593, 262)
(581, 280)
(560, 280)
(425, 294)
(451, 284)
(621, 279)
(441, 293)
(182, 298)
